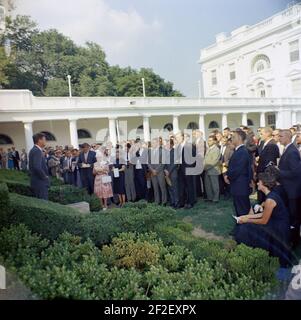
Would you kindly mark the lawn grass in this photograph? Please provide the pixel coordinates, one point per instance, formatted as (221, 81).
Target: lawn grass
(211, 217)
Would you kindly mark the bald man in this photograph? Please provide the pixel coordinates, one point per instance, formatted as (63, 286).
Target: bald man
(290, 178)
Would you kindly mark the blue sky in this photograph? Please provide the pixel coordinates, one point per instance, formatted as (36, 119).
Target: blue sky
(165, 35)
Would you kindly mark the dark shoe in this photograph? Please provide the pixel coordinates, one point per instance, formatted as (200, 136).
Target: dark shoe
(188, 206)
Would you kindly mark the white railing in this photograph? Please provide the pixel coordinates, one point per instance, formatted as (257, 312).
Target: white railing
(23, 100)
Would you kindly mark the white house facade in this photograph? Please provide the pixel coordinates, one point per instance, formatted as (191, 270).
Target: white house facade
(262, 60)
(70, 121)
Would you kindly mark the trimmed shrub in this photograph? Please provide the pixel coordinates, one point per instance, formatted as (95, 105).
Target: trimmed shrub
(51, 219)
(72, 269)
(5, 208)
(18, 182)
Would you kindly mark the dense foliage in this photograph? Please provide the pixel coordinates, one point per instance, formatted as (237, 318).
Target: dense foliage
(70, 268)
(41, 60)
(18, 182)
(142, 251)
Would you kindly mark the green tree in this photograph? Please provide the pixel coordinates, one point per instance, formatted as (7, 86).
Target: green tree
(41, 60)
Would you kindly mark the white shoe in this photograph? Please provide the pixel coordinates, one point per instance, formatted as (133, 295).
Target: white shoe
(104, 209)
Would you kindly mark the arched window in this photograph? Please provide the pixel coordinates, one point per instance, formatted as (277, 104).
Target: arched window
(139, 129)
(49, 136)
(83, 134)
(192, 126)
(250, 123)
(213, 125)
(4, 139)
(168, 127)
(260, 63)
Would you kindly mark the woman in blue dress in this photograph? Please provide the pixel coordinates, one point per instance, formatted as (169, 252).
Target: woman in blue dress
(270, 229)
(10, 159)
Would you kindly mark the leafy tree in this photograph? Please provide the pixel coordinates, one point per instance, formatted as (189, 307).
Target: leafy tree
(41, 60)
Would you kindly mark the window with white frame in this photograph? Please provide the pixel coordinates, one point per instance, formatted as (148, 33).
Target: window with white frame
(296, 86)
(260, 62)
(232, 72)
(213, 78)
(294, 51)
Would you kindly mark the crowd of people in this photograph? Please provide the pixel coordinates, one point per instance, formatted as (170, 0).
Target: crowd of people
(177, 169)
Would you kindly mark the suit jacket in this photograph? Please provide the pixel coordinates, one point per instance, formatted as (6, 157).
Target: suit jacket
(16, 155)
(290, 172)
(91, 159)
(227, 155)
(157, 158)
(38, 168)
(212, 164)
(270, 153)
(240, 172)
(171, 166)
(250, 143)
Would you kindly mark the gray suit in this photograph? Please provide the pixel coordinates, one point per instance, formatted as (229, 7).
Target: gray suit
(39, 180)
(157, 159)
(129, 181)
(212, 171)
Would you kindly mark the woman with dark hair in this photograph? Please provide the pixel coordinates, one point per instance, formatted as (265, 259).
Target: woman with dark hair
(268, 230)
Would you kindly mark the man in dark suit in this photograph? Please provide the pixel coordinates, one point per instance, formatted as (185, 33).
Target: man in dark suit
(186, 153)
(171, 172)
(39, 180)
(268, 154)
(157, 159)
(290, 178)
(86, 160)
(239, 174)
(16, 158)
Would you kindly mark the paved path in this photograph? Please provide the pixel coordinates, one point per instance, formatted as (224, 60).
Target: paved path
(15, 290)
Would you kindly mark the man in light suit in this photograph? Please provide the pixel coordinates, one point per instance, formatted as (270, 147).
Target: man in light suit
(290, 178)
(212, 168)
(239, 174)
(38, 170)
(156, 166)
(86, 160)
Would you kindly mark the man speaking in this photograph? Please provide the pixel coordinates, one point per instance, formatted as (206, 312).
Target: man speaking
(39, 181)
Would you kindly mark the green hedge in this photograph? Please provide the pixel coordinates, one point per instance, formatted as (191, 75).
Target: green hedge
(51, 219)
(18, 182)
(133, 266)
(5, 209)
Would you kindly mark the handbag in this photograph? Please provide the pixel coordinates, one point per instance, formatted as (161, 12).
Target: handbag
(106, 179)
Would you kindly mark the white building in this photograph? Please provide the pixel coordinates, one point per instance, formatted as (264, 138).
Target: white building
(262, 60)
(264, 90)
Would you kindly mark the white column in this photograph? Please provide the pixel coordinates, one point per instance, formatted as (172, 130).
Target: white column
(28, 136)
(294, 118)
(175, 124)
(262, 120)
(224, 121)
(73, 132)
(146, 131)
(244, 119)
(202, 123)
(112, 131)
